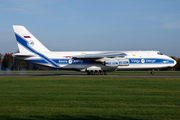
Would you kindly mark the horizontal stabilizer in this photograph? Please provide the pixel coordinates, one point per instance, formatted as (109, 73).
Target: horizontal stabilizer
(24, 55)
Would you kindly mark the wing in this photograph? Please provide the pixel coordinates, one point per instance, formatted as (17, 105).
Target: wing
(100, 55)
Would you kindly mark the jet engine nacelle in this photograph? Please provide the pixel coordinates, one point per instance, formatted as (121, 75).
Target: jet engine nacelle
(116, 62)
(123, 62)
(111, 63)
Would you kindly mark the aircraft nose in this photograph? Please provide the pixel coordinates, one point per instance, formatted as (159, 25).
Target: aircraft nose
(174, 62)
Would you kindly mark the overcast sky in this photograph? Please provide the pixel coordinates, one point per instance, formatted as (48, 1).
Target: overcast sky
(74, 25)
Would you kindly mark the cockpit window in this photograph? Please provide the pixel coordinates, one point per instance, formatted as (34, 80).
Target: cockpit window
(159, 53)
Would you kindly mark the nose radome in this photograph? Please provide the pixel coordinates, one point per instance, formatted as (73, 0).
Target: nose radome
(175, 62)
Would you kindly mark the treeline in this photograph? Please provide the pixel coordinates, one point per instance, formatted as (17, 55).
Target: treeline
(8, 62)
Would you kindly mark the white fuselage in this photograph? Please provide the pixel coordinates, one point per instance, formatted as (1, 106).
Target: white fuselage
(136, 60)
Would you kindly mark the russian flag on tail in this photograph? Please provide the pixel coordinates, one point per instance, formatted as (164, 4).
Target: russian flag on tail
(27, 37)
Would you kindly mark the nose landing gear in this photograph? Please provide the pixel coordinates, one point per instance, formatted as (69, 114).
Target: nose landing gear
(152, 72)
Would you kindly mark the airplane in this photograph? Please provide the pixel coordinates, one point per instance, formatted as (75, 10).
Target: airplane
(92, 62)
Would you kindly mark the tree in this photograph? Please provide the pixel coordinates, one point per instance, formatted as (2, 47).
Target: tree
(1, 59)
(178, 64)
(7, 62)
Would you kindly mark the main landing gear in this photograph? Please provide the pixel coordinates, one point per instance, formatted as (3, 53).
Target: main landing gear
(96, 72)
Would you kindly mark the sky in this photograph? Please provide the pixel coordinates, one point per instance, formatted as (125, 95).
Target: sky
(94, 25)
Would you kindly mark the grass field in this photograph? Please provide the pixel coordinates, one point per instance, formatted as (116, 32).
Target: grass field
(89, 98)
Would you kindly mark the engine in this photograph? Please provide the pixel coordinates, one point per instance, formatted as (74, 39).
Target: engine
(116, 62)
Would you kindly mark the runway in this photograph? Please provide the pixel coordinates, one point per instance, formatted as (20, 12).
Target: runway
(80, 75)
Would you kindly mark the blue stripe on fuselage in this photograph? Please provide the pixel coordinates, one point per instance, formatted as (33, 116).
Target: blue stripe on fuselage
(150, 61)
(131, 61)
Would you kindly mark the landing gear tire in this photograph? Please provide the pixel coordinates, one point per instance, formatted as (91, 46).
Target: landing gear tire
(92, 72)
(97, 73)
(105, 72)
(101, 72)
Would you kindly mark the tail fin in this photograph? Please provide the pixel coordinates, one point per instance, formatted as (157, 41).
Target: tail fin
(26, 41)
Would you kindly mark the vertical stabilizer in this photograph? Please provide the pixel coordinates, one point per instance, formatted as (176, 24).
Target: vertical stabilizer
(26, 41)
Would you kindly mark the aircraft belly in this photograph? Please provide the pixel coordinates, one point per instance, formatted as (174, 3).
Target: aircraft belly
(144, 66)
(85, 67)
